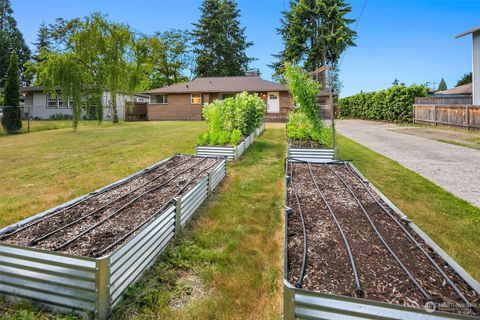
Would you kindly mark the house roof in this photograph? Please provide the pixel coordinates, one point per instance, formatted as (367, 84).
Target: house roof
(42, 89)
(222, 84)
(468, 32)
(463, 89)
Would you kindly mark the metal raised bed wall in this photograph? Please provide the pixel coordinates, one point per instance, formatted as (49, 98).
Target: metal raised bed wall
(93, 286)
(305, 304)
(311, 154)
(230, 153)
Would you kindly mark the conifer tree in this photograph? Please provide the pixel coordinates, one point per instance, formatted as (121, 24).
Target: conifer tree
(12, 117)
(315, 33)
(43, 43)
(219, 40)
(442, 85)
(11, 39)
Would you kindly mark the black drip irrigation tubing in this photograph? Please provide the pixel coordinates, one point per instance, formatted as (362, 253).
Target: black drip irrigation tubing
(51, 233)
(125, 236)
(358, 285)
(91, 196)
(304, 258)
(380, 237)
(414, 241)
(116, 212)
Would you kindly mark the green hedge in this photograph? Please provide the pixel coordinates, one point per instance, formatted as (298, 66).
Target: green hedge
(394, 104)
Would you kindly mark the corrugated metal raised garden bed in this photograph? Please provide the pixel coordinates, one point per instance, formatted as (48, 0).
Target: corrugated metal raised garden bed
(82, 255)
(230, 152)
(351, 254)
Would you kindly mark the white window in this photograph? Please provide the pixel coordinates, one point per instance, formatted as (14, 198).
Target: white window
(161, 98)
(52, 101)
(273, 97)
(55, 102)
(196, 98)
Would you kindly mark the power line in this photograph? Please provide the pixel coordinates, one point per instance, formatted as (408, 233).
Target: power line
(354, 29)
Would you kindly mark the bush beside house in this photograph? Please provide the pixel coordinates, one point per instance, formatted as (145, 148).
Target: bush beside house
(394, 104)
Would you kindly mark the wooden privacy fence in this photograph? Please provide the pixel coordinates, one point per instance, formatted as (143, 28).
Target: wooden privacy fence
(466, 116)
(136, 112)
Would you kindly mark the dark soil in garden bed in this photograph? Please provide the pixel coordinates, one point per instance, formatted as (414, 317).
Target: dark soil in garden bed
(295, 143)
(328, 268)
(91, 226)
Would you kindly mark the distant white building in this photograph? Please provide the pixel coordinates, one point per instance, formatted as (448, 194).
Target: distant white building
(475, 32)
(43, 106)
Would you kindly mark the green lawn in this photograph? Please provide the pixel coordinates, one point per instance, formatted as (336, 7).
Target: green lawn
(228, 262)
(452, 223)
(42, 125)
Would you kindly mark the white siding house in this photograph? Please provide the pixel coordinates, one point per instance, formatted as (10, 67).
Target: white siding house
(475, 32)
(42, 106)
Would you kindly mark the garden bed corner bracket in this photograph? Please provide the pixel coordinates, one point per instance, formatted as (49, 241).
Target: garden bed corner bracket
(102, 288)
(288, 302)
(178, 216)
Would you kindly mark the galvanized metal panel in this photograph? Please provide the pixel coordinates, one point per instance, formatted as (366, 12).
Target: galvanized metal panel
(141, 265)
(190, 211)
(48, 277)
(206, 151)
(191, 201)
(316, 305)
(218, 174)
(311, 154)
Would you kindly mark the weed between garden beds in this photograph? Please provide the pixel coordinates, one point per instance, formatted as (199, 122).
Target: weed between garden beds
(123, 209)
(328, 268)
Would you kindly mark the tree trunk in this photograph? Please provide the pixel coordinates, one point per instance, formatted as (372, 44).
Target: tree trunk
(114, 108)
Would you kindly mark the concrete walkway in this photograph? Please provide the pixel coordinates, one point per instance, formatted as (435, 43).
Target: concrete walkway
(454, 168)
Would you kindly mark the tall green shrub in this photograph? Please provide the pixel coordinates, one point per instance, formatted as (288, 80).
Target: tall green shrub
(12, 116)
(304, 91)
(394, 104)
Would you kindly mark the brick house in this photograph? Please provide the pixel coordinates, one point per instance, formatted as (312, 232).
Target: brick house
(184, 101)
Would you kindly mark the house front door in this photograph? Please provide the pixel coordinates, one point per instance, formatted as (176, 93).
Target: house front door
(273, 102)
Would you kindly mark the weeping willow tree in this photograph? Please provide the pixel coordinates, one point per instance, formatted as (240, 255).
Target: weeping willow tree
(90, 55)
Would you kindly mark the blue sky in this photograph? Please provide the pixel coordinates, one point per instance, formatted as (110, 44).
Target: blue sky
(412, 40)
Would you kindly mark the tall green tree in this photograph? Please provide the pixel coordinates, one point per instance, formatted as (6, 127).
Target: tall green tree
(442, 85)
(466, 79)
(91, 55)
(11, 39)
(315, 33)
(169, 58)
(12, 116)
(220, 41)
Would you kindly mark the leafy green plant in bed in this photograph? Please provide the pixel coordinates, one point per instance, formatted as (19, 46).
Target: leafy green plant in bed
(232, 119)
(303, 123)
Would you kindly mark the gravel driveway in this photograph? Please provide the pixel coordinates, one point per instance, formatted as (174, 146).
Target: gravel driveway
(454, 168)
